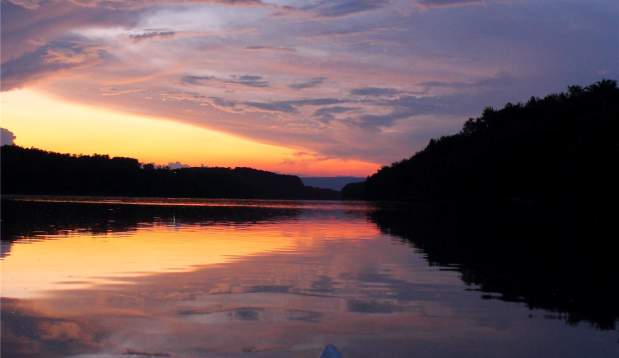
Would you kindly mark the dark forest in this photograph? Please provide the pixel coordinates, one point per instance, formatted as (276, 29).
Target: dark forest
(34, 171)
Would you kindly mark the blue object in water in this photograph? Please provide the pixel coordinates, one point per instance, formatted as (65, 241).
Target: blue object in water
(330, 352)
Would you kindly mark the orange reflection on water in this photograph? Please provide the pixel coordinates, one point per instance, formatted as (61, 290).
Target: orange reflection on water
(79, 260)
(199, 202)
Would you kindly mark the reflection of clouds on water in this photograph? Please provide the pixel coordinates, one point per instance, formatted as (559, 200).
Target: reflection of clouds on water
(377, 293)
(94, 252)
(27, 332)
(31, 271)
(313, 279)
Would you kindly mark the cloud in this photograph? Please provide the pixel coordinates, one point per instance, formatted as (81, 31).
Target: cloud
(6, 137)
(500, 79)
(334, 109)
(250, 80)
(270, 48)
(375, 91)
(325, 114)
(291, 106)
(152, 34)
(176, 165)
(273, 106)
(469, 99)
(115, 91)
(244, 80)
(222, 103)
(25, 30)
(405, 107)
(196, 80)
(341, 8)
(26, 4)
(48, 59)
(126, 4)
(374, 121)
(27, 332)
(446, 3)
(395, 76)
(316, 81)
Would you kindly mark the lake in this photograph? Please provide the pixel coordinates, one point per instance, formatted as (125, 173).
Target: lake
(123, 277)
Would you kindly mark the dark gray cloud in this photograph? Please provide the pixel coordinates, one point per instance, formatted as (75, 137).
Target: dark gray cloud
(273, 106)
(26, 4)
(371, 121)
(25, 30)
(469, 99)
(375, 91)
(334, 109)
(48, 59)
(244, 80)
(316, 101)
(123, 4)
(340, 8)
(176, 165)
(444, 3)
(6, 137)
(252, 81)
(371, 306)
(411, 106)
(152, 34)
(196, 80)
(291, 106)
(500, 79)
(325, 114)
(385, 106)
(316, 81)
(270, 48)
(222, 102)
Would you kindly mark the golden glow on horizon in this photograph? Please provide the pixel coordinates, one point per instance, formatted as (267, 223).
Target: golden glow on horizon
(40, 121)
(81, 260)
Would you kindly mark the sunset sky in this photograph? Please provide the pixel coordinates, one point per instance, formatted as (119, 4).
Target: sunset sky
(314, 87)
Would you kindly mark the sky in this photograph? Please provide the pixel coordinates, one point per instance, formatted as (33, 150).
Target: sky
(315, 87)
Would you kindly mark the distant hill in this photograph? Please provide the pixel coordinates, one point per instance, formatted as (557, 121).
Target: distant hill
(333, 183)
(563, 148)
(34, 171)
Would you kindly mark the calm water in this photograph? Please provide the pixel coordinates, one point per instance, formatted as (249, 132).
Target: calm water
(218, 278)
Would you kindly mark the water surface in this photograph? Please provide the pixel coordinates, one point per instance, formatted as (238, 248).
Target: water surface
(174, 278)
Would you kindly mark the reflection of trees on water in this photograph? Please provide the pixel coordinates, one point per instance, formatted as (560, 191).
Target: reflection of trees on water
(23, 219)
(559, 260)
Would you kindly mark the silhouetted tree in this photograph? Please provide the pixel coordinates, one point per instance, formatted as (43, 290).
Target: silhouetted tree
(522, 201)
(563, 147)
(34, 171)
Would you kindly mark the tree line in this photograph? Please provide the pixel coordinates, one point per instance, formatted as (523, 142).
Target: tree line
(35, 171)
(563, 147)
